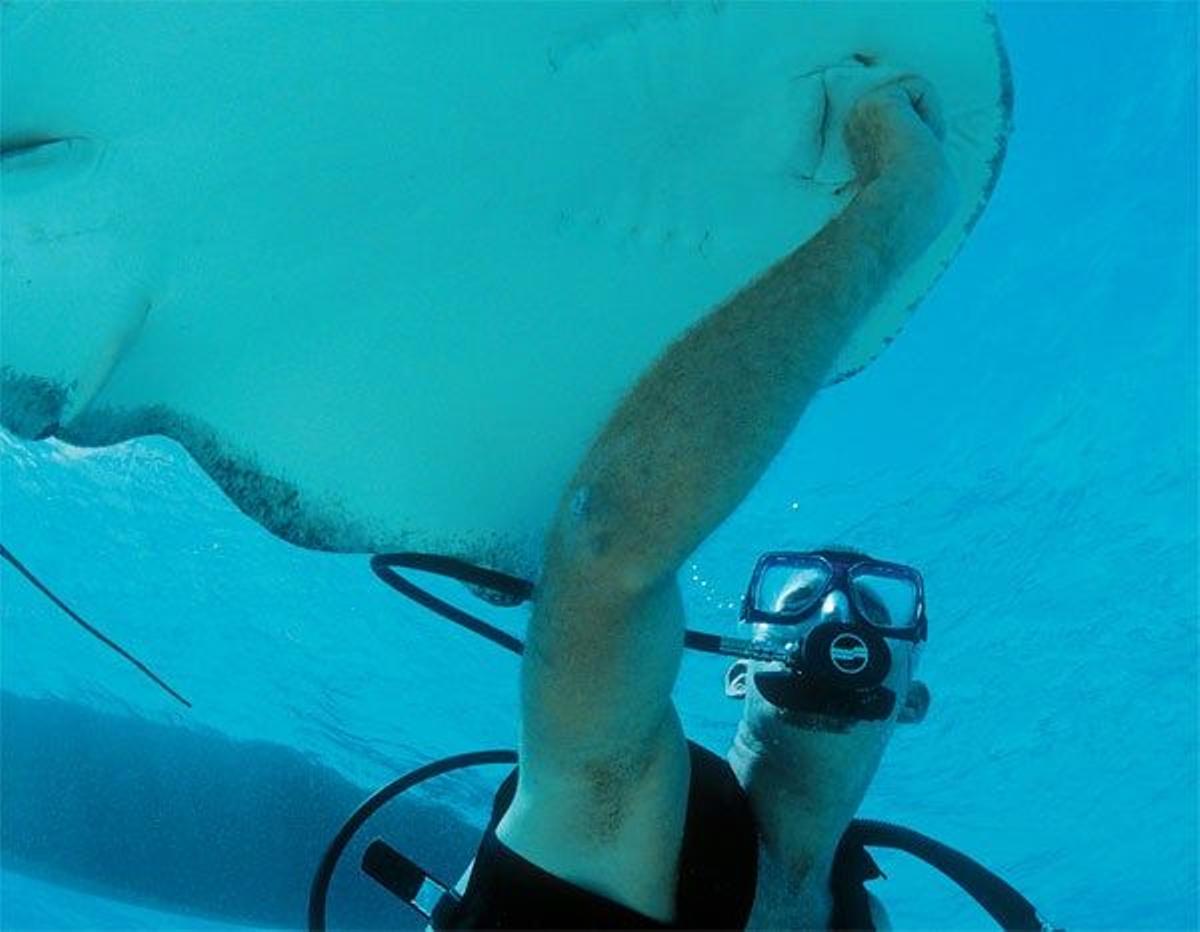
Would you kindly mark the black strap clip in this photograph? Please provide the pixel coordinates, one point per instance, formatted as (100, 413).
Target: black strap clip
(409, 881)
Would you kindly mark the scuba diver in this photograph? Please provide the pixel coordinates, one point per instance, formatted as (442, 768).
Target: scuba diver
(617, 821)
(760, 839)
(613, 819)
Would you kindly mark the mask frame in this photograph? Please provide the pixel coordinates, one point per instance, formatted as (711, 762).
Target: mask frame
(841, 568)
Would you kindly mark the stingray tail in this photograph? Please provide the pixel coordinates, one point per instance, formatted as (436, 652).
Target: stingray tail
(90, 629)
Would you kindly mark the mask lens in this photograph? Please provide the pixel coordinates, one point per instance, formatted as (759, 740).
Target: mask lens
(791, 588)
(885, 600)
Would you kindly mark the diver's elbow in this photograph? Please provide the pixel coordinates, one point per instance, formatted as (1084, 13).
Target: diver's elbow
(592, 543)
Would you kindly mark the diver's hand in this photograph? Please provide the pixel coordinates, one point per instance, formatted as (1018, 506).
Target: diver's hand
(896, 126)
(894, 137)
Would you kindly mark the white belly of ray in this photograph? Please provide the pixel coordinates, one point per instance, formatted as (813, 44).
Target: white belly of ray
(385, 269)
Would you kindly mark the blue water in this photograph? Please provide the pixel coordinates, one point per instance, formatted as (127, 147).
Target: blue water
(1030, 443)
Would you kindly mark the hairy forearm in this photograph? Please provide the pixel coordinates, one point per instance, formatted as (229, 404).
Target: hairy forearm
(703, 423)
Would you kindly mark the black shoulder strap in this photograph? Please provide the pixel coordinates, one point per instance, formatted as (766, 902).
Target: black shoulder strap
(718, 858)
(852, 868)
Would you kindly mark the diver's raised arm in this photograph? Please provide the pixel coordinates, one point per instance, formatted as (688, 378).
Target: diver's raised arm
(702, 424)
(602, 752)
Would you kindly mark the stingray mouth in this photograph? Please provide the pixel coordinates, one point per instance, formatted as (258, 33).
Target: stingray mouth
(17, 151)
(23, 145)
(33, 160)
(807, 703)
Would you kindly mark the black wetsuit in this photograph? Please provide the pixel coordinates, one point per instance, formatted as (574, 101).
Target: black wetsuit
(718, 872)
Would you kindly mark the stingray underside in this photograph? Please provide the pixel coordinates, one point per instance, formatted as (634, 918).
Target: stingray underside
(383, 269)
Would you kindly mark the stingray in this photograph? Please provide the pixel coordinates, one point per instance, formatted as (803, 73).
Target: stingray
(194, 821)
(384, 269)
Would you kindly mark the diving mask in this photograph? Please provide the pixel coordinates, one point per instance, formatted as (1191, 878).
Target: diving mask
(786, 588)
(827, 617)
